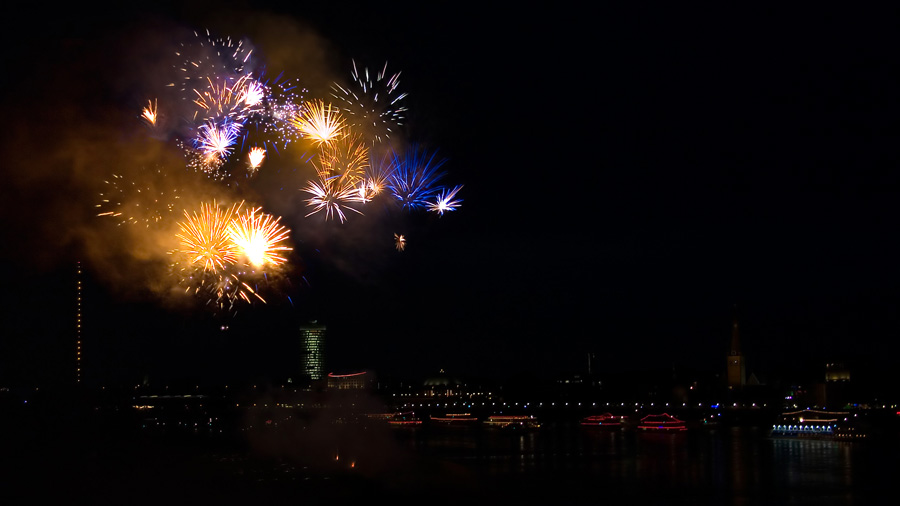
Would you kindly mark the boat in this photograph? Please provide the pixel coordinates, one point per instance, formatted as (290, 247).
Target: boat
(604, 421)
(399, 419)
(661, 423)
(816, 424)
(512, 422)
(454, 420)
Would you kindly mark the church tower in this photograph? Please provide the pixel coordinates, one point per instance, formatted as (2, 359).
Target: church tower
(735, 372)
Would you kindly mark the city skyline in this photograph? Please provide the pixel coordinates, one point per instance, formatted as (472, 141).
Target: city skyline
(626, 181)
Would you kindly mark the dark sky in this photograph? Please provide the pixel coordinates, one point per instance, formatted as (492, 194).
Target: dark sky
(629, 177)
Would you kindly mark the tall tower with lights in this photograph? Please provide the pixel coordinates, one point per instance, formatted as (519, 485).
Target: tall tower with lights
(312, 341)
(78, 336)
(736, 369)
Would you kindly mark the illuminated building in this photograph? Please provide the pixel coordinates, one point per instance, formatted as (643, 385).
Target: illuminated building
(838, 388)
(312, 338)
(735, 372)
(352, 381)
(835, 371)
(442, 385)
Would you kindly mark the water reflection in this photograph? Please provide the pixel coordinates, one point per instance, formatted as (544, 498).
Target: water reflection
(715, 466)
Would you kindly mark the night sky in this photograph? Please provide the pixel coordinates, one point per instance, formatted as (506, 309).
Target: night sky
(630, 177)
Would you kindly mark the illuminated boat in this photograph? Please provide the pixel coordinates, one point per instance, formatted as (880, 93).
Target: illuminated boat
(815, 424)
(454, 420)
(405, 419)
(604, 421)
(512, 422)
(661, 423)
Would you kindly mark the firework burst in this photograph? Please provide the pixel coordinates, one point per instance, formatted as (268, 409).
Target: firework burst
(376, 178)
(234, 102)
(255, 156)
(204, 237)
(149, 113)
(445, 201)
(332, 195)
(414, 176)
(259, 237)
(227, 252)
(320, 122)
(348, 156)
(252, 93)
(372, 106)
(214, 140)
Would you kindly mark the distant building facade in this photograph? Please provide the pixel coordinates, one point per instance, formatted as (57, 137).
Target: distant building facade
(838, 389)
(312, 340)
(736, 375)
(353, 381)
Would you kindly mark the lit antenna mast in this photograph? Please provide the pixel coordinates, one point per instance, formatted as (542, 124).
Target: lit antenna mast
(78, 325)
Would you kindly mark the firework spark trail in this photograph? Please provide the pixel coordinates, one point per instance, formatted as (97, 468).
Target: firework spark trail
(413, 178)
(209, 57)
(272, 116)
(399, 242)
(376, 178)
(210, 164)
(374, 107)
(259, 237)
(348, 157)
(140, 200)
(320, 122)
(204, 237)
(224, 290)
(445, 201)
(233, 102)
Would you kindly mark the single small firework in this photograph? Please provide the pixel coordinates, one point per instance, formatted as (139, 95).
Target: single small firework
(149, 113)
(259, 238)
(252, 92)
(204, 237)
(318, 121)
(445, 201)
(372, 106)
(376, 178)
(215, 140)
(399, 242)
(332, 194)
(256, 156)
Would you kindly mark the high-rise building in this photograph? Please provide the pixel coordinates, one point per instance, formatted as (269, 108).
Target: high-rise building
(735, 373)
(312, 341)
